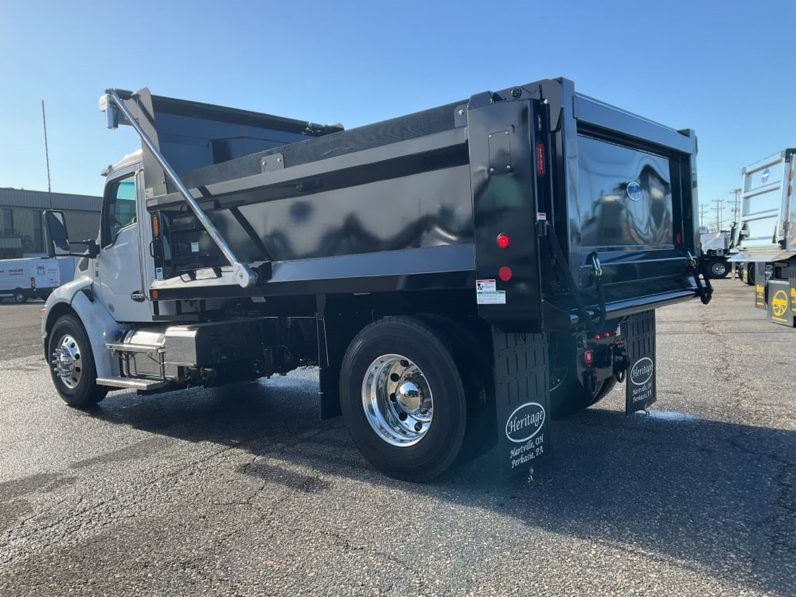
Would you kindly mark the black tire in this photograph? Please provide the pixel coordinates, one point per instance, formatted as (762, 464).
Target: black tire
(567, 393)
(471, 350)
(718, 268)
(430, 351)
(20, 297)
(571, 397)
(750, 273)
(85, 394)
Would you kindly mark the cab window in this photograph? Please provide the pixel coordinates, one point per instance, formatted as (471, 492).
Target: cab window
(119, 210)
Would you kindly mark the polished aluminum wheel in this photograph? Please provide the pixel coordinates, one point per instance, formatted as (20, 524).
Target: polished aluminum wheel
(66, 361)
(397, 400)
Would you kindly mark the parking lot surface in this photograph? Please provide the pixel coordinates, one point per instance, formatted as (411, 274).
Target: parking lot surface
(243, 491)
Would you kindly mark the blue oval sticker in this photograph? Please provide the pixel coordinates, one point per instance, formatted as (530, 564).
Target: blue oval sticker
(634, 191)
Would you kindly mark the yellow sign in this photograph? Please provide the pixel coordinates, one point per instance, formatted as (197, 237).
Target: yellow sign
(779, 303)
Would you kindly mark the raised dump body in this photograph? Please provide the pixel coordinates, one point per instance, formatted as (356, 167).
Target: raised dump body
(767, 235)
(459, 275)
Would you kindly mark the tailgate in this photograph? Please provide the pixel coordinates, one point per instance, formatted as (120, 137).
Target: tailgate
(630, 201)
(765, 196)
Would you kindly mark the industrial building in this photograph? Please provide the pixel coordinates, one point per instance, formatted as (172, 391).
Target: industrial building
(21, 219)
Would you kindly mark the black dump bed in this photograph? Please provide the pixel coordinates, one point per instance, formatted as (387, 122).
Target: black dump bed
(417, 202)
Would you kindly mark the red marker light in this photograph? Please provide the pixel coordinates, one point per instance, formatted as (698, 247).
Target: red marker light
(154, 294)
(505, 273)
(503, 240)
(540, 159)
(588, 357)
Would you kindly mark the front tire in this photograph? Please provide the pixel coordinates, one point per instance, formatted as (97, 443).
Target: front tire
(20, 297)
(72, 364)
(403, 399)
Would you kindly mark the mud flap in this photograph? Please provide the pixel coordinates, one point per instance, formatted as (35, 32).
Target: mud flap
(781, 306)
(639, 334)
(522, 393)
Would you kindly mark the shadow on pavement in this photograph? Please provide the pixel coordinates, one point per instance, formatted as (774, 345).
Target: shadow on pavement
(716, 496)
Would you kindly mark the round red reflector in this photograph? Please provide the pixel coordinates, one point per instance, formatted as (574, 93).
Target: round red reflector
(503, 240)
(154, 294)
(505, 273)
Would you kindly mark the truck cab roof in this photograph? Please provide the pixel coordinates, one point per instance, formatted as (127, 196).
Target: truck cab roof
(128, 160)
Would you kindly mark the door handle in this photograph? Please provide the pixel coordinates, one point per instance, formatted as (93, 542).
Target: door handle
(138, 296)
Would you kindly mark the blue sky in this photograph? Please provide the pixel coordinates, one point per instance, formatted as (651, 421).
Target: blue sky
(725, 69)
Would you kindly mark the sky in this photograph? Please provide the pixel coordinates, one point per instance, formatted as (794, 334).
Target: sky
(725, 69)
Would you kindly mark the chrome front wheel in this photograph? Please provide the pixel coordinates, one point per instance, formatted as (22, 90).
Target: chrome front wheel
(66, 361)
(397, 400)
(72, 363)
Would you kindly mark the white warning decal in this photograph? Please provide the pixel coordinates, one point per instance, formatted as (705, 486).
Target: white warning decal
(486, 293)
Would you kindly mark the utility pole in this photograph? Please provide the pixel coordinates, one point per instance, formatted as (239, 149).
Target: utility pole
(701, 214)
(718, 203)
(736, 206)
(46, 150)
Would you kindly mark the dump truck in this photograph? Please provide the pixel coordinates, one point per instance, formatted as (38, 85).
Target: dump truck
(766, 237)
(717, 249)
(459, 276)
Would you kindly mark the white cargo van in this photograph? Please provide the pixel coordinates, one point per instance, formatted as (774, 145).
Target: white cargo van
(33, 277)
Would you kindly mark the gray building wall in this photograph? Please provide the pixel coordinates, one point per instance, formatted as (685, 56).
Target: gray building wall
(20, 219)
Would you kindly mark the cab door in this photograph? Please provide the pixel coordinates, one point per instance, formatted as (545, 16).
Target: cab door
(119, 273)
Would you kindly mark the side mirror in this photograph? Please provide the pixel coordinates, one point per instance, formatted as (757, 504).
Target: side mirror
(92, 248)
(56, 237)
(744, 233)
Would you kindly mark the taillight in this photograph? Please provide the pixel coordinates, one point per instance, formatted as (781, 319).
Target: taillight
(588, 357)
(503, 241)
(540, 159)
(155, 226)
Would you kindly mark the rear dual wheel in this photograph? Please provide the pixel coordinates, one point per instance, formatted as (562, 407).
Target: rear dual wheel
(403, 397)
(567, 394)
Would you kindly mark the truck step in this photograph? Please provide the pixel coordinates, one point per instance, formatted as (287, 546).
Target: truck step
(129, 383)
(128, 347)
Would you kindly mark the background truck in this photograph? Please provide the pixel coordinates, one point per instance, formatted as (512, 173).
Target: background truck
(459, 275)
(766, 238)
(716, 252)
(33, 277)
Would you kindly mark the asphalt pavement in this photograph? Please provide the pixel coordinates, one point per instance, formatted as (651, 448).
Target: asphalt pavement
(243, 491)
